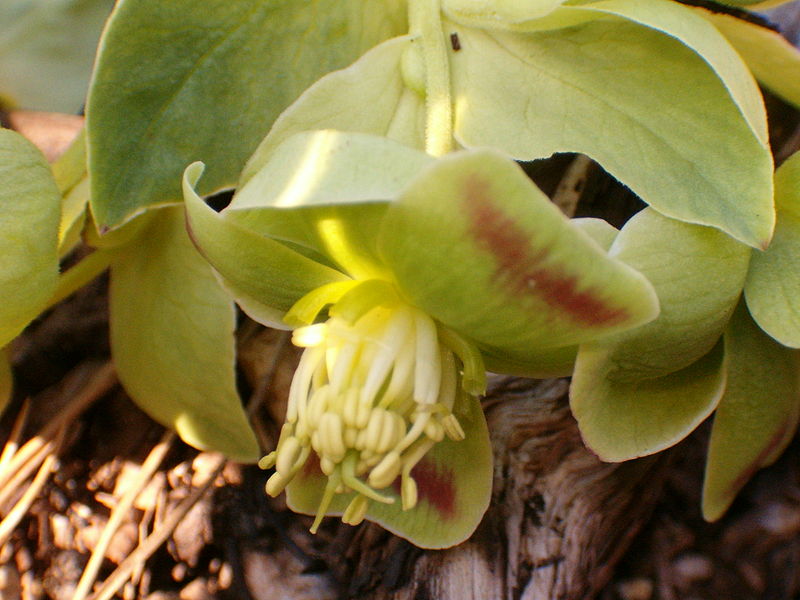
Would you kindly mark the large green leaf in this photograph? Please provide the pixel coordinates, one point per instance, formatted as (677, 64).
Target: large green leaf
(771, 58)
(46, 51)
(264, 276)
(773, 283)
(454, 482)
(172, 339)
(370, 96)
(30, 207)
(477, 246)
(698, 274)
(621, 420)
(756, 417)
(669, 128)
(176, 83)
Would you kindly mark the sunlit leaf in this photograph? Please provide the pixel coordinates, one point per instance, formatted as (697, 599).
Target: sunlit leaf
(756, 417)
(172, 339)
(773, 283)
(454, 486)
(773, 60)
(47, 49)
(265, 276)
(176, 84)
(30, 206)
(476, 245)
(669, 128)
(621, 420)
(370, 96)
(698, 274)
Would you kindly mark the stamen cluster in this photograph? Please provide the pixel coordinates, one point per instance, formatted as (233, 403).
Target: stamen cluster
(374, 391)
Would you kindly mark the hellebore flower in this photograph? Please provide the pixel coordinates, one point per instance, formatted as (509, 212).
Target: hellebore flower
(403, 275)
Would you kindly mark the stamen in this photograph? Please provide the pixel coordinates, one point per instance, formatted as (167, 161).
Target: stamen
(305, 310)
(474, 379)
(356, 510)
(427, 371)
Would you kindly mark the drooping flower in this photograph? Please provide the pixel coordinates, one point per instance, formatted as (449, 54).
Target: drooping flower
(403, 275)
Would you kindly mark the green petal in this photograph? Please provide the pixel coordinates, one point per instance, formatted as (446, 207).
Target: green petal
(47, 49)
(621, 420)
(674, 135)
(30, 207)
(6, 379)
(773, 283)
(454, 485)
(476, 245)
(325, 190)
(500, 13)
(602, 232)
(370, 96)
(264, 276)
(757, 416)
(771, 58)
(698, 274)
(174, 84)
(172, 339)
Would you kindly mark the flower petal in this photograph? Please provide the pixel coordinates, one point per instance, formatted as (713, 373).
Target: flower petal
(172, 339)
(6, 379)
(757, 416)
(477, 246)
(621, 420)
(454, 486)
(264, 275)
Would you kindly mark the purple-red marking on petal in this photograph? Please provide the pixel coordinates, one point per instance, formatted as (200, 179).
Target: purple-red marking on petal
(436, 485)
(520, 267)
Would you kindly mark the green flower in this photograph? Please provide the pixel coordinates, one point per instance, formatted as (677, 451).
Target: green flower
(404, 275)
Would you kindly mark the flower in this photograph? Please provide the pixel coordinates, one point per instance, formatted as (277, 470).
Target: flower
(402, 275)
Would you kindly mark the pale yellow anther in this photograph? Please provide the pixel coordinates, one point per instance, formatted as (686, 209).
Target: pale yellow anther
(350, 408)
(326, 465)
(350, 437)
(364, 412)
(317, 406)
(287, 456)
(268, 461)
(276, 483)
(310, 336)
(453, 428)
(361, 440)
(374, 429)
(330, 438)
(386, 471)
(356, 510)
(408, 492)
(434, 430)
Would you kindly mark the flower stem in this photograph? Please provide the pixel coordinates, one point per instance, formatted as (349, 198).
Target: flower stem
(426, 21)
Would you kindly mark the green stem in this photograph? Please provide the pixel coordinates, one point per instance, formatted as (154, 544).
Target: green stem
(79, 275)
(426, 21)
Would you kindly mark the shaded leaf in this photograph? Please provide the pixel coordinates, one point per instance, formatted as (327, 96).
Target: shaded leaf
(175, 84)
(757, 416)
(172, 339)
(30, 207)
(6, 379)
(773, 282)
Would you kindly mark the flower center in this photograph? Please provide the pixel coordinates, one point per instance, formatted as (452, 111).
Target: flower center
(375, 390)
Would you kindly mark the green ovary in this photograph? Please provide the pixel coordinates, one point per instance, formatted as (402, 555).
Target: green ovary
(375, 390)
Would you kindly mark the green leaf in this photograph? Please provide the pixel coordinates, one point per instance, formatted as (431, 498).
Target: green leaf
(30, 207)
(46, 51)
(476, 245)
(320, 190)
(6, 379)
(773, 283)
(175, 84)
(674, 135)
(370, 96)
(771, 58)
(678, 259)
(264, 276)
(172, 339)
(621, 420)
(454, 485)
(757, 416)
